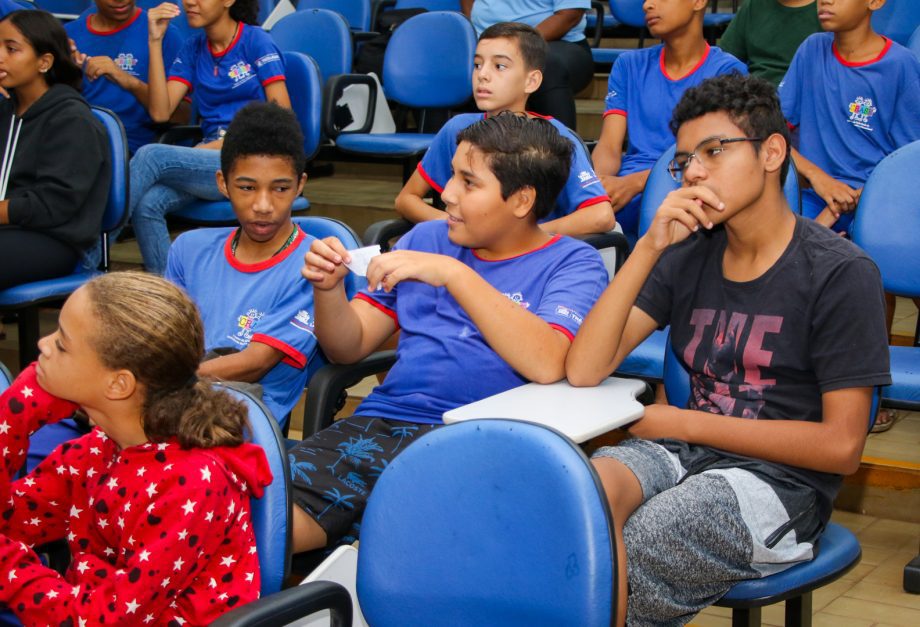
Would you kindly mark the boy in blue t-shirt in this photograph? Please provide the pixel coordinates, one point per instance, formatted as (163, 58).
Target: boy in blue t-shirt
(854, 97)
(111, 44)
(256, 310)
(643, 89)
(507, 68)
(486, 301)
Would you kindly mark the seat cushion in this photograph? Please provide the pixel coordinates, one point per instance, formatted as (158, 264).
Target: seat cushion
(384, 144)
(61, 287)
(838, 552)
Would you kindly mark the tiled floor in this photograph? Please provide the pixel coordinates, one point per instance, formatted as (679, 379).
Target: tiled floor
(870, 594)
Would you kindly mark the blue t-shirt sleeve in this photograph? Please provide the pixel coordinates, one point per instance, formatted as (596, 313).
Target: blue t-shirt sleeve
(183, 66)
(572, 290)
(616, 87)
(266, 57)
(435, 165)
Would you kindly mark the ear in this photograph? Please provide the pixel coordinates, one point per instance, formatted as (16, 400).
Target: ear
(773, 152)
(45, 62)
(301, 183)
(522, 201)
(121, 385)
(533, 81)
(222, 184)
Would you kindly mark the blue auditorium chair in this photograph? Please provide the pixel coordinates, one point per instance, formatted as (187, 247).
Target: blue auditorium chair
(306, 93)
(427, 65)
(526, 539)
(838, 550)
(898, 19)
(24, 300)
(887, 227)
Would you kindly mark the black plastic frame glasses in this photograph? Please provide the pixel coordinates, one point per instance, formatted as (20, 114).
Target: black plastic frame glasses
(681, 161)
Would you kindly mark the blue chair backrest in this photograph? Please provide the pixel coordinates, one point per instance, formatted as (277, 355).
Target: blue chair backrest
(677, 383)
(914, 43)
(320, 34)
(429, 61)
(306, 92)
(5, 377)
(116, 207)
(887, 222)
(430, 5)
(488, 522)
(270, 514)
(628, 12)
(356, 12)
(898, 19)
(660, 184)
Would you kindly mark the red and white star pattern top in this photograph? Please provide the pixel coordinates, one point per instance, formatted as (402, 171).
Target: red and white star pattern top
(158, 535)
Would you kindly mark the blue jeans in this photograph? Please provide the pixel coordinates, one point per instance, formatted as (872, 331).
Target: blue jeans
(164, 179)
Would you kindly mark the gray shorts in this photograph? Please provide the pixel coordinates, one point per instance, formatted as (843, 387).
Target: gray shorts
(697, 533)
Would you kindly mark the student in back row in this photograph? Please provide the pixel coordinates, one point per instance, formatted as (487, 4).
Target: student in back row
(853, 97)
(486, 301)
(781, 326)
(643, 88)
(508, 68)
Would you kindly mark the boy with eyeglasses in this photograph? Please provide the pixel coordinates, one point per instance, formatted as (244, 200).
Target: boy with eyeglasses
(781, 326)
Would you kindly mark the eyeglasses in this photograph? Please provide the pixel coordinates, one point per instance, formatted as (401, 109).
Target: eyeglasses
(707, 153)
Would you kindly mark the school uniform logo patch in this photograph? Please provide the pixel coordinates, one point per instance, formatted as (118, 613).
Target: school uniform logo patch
(861, 110)
(126, 61)
(246, 325)
(303, 321)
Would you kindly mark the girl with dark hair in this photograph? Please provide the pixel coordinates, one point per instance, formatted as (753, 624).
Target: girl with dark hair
(230, 63)
(154, 502)
(55, 170)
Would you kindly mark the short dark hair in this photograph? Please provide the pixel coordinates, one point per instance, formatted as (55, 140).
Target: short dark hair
(529, 41)
(263, 128)
(751, 103)
(246, 11)
(523, 152)
(45, 34)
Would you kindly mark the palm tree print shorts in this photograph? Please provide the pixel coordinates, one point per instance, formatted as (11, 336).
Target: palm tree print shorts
(334, 471)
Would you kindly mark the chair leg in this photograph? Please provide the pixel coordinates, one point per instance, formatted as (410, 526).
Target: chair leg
(28, 336)
(749, 617)
(798, 611)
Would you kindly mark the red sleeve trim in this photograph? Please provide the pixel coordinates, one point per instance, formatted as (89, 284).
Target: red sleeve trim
(593, 201)
(373, 303)
(614, 112)
(564, 331)
(292, 356)
(428, 179)
(273, 79)
(181, 80)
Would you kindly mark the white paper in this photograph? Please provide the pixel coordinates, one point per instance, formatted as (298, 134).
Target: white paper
(361, 257)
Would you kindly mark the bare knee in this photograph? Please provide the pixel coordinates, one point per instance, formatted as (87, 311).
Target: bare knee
(307, 535)
(624, 493)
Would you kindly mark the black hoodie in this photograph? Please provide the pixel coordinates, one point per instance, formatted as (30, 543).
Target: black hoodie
(61, 167)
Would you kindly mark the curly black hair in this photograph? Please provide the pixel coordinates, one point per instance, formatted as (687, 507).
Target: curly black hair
(751, 103)
(523, 152)
(263, 128)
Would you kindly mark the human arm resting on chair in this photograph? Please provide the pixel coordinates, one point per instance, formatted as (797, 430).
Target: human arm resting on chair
(608, 158)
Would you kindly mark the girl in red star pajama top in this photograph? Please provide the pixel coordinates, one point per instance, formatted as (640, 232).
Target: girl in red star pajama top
(154, 502)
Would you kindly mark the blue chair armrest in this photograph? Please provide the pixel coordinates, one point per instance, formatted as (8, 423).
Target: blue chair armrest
(333, 91)
(385, 230)
(329, 383)
(288, 605)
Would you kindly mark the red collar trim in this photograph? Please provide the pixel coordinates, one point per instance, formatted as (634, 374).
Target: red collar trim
(846, 63)
(695, 67)
(239, 33)
(104, 33)
(236, 264)
(555, 238)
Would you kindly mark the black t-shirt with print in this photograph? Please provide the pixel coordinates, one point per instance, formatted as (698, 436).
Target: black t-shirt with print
(768, 348)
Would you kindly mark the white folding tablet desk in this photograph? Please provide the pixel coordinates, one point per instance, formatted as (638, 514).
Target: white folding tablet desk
(579, 413)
